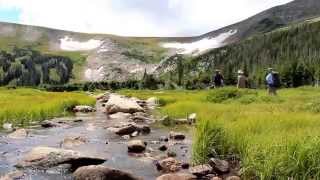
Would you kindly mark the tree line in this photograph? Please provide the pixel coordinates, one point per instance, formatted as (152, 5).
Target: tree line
(27, 67)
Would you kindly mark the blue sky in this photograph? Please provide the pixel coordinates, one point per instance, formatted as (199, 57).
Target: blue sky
(133, 17)
(9, 14)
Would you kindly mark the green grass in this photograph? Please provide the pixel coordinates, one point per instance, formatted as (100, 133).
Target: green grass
(275, 137)
(21, 106)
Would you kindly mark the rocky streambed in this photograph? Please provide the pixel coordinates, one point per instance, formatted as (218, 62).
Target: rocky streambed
(123, 143)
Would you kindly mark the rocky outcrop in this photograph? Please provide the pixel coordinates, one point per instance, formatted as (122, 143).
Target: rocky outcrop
(84, 109)
(47, 157)
(136, 146)
(119, 103)
(19, 134)
(102, 173)
(177, 176)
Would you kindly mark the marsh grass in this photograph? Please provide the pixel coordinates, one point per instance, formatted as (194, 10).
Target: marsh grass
(21, 106)
(275, 137)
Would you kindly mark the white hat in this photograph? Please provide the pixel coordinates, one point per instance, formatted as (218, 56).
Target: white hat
(240, 72)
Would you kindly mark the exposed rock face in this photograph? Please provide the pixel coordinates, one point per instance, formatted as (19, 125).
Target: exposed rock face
(177, 176)
(177, 136)
(46, 157)
(119, 103)
(219, 166)
(169, 165)
(136, 146)
(201, 170)
(84, 109)
(73, 141)
(102, 173)
(18, 134)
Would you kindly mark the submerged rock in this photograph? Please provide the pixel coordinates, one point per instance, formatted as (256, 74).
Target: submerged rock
(119, 103)
(219, 166)
(14, 175)
(126, 130)
(73, 141)
(18, 134)
(46, 157)
(176, 136)
(102, 173)
(49, 124)
(177, 176)
(136, 146)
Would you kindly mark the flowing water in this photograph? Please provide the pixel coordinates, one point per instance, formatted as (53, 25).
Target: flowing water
(101, 143)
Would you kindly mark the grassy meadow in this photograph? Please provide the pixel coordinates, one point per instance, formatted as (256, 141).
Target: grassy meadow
(21, 106)
(274, 137)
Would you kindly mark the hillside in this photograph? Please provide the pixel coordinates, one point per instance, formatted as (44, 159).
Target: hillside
(103, 57)
(293, 51)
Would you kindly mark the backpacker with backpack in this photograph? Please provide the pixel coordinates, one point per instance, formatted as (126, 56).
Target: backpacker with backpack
(276, 80)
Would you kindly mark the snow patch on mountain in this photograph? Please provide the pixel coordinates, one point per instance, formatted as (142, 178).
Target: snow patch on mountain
(200, 46)
(69, 44)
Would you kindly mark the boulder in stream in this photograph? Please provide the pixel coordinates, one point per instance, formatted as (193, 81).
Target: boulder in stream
(102, 173)
(201, 170)
(136, 146)
(168, 165)
(126, 130)
(47, 157)
(123, 104)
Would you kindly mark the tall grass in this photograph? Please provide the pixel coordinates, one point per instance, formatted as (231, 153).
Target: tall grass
(21, 106)
(275, 137)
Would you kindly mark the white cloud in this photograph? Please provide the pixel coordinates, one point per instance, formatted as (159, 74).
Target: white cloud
(137, 17)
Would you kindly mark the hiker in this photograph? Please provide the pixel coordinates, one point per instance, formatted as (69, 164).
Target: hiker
(273, 81)
(242, 80)
(218, 79)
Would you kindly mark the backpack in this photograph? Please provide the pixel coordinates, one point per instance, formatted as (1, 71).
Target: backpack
(276, 80)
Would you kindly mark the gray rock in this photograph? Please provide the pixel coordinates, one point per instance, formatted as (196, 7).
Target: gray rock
(219, 166)
(119, 103)
(102, 173)
(164, 139)
(201, 170)
(135, 134)
(136, 146)
(18, 134)
(177, 176)
(46, 157)
(144, 129)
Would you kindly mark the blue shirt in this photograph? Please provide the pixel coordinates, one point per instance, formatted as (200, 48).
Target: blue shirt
(269, 79)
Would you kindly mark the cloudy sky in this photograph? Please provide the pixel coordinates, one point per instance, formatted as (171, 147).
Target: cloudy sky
(133, 17)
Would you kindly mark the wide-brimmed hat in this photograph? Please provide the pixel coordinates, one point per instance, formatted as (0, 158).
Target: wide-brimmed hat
(240, 72)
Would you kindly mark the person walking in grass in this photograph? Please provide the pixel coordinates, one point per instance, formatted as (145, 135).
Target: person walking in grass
(218, 79)
(273, 81)
(242, 80)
